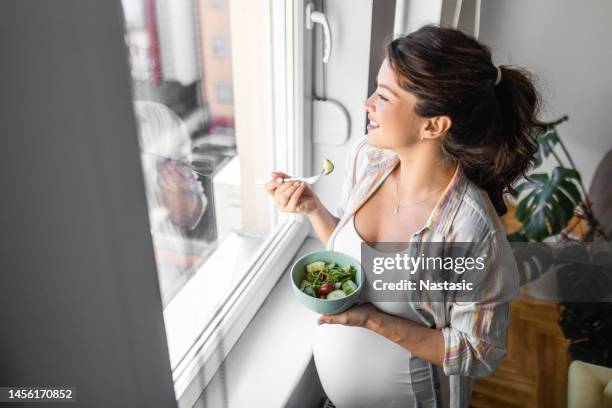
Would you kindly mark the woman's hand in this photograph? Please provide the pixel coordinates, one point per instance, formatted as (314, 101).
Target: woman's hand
(291, 196)
(359, 315)
(179, 193)
(298, 198)
(424, 342)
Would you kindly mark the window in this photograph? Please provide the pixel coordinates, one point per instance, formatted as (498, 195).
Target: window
(214, 115)
(185, 114)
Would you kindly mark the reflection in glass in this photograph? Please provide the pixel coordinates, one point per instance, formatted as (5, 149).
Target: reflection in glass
(181, 65)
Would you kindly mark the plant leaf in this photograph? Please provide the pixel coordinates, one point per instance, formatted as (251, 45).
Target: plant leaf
(549, 203)
(547, 141)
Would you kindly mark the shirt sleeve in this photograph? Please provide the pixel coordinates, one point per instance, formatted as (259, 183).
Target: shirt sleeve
(475, 340)
(349, 176)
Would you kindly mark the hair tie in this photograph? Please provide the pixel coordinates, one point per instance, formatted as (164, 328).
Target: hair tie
(498, 79)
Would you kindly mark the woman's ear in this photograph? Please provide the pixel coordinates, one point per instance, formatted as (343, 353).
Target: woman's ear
(435, 127)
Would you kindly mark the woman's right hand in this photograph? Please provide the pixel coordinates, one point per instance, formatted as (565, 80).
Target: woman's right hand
(291, 196)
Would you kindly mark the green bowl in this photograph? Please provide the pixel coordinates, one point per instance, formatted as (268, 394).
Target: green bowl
(325, 306)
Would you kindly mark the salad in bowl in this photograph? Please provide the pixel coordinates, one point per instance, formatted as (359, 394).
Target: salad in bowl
(327, 282)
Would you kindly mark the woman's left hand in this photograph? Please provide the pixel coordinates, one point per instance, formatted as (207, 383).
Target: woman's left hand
(358, 315)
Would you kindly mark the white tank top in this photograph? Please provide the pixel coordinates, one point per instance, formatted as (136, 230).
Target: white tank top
(360, 368)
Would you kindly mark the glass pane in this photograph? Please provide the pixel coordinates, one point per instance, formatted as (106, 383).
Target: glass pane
(181, 65)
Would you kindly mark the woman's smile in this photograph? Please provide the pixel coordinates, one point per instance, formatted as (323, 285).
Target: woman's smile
(372, 124)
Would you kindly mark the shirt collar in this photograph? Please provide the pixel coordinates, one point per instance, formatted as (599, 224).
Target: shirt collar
(380, 159)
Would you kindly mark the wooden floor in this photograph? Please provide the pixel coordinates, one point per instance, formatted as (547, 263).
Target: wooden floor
(534, 371)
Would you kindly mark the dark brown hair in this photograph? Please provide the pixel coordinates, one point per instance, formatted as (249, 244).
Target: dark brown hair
(491, 136)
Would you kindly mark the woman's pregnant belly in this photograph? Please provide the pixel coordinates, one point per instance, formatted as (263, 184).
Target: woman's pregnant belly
(359, 368)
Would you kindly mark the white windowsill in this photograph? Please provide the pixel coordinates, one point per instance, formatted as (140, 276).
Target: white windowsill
(272, 354)
(206, 290)
(202, 360)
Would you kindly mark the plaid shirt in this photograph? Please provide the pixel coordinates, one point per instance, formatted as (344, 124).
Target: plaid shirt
(474, 332)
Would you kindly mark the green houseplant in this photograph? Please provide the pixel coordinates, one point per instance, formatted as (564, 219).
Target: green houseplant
(546, 202)
(551, 200)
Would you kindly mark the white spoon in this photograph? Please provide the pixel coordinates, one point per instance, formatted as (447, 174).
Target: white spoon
(328, 167)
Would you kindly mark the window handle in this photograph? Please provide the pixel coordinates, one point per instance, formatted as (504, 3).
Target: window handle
(316, 17)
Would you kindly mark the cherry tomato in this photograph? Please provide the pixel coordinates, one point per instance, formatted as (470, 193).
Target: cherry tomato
(326, 288)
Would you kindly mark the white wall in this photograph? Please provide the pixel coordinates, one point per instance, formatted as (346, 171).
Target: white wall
(347, 83)
(567, 45)
(412, 14)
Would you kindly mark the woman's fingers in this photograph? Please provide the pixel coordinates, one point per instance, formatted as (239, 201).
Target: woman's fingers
(283, 193)
(295, 197)
(287, 195)
(277, 181)
(271, 187)
(282, 188)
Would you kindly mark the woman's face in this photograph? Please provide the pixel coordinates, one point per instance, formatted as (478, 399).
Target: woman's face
(392, 122)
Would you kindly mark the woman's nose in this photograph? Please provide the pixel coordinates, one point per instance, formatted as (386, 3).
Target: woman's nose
(368, 105)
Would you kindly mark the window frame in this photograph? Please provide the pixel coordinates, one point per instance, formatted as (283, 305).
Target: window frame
(288, 113)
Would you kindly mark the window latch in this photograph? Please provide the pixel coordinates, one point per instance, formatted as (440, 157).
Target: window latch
(316, 17)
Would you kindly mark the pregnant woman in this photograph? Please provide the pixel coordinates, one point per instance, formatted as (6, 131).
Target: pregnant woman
(448, 134)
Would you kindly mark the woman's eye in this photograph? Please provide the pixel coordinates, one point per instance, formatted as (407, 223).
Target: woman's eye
(382, 97)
